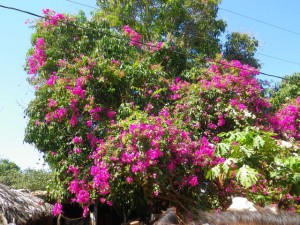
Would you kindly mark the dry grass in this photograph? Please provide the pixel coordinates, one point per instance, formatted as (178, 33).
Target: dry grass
(22, 207)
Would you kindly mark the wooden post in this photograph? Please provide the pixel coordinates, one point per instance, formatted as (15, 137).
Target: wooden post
(92, 218)
(96, 212)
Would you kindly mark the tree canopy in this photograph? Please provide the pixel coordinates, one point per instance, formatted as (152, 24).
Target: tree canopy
(190, 24)
(119, 120)
(287, 90)
(32, 179)
(242, 47)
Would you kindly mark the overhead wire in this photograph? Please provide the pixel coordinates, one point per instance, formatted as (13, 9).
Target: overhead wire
(274, 57)
(121, 38)
(260, 21)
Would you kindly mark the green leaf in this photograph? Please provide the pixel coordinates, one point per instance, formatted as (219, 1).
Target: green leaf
(247, 176)
(213, 173)
(248, 151)
(293, 163)
(258, 142)
(222, 149)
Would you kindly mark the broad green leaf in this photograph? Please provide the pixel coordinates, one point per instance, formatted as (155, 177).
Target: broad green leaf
(222, 149)
(258, 142)
(247, 176)
(248, 151)
(213, 173)
(293, 163)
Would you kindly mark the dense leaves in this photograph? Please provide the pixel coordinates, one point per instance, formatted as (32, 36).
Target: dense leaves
(11, 175)
(190, 24)
(242, 47)
(286, 90)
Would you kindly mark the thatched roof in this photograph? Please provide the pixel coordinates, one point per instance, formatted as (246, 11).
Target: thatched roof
(21, 207)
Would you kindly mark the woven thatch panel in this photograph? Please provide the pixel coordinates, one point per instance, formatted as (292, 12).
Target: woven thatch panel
(23, 208)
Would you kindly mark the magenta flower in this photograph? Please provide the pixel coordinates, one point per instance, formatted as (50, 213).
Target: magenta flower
(241, 106)
(86, 211)
(111, 114)
(77, 150)
(212, 126)
(57, 209)
(74, 186)
(221, 121)
(79, 92)
(52, 17)
(73, 169)
(95, 113)
(38, 58)
(52, 103)
(286, 120)
(109, 203)
(193, 181)
(73, 121)
(129, 180)
(77, 140)
(89, 123)
(83, 197)
(135, 37)
(59, 113)
(48, 118)
(51, 81)
(154, 153)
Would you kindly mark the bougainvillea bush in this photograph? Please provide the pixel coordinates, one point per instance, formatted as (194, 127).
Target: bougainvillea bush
(120, 118)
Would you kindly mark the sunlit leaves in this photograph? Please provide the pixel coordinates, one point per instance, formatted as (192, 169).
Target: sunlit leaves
(247, 176)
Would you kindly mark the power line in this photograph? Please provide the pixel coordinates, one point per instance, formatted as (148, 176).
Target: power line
(172, 30)
(274, 57)
(78, 3)
(121, 38)
(260, 21)
(22, 11)
(84, 28)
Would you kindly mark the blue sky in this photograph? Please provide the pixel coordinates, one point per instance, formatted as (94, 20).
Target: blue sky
(15, 41)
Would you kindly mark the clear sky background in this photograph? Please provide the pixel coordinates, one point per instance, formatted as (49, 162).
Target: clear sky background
(15, 93)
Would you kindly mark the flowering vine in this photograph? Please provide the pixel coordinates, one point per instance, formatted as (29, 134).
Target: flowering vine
(116, 122)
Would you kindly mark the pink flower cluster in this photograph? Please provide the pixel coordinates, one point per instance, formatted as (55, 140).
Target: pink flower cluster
(155, 148)
(154, 47)
(135, 37)
(287, 120)
(80, 189)
(51, 81)
(231, 95)
(57, 115)
(57, 209)
(52, 18)
(38, 58)
(101, 177)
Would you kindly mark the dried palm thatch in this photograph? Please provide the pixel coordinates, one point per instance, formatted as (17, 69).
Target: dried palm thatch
(23, 208)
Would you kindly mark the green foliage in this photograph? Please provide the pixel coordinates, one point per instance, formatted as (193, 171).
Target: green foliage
(188, 23)
(11, 175)
(242, 47)
(34, 180)
(253, 159)
(8, 172)
(288, 89)
(6, 165)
